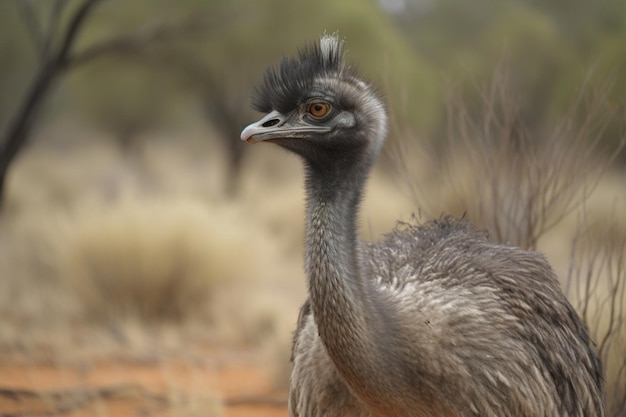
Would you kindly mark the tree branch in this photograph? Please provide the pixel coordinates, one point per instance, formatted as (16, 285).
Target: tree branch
(52, 26)
(62, 58)
(142, 37)
(17, 132)
(73, 29)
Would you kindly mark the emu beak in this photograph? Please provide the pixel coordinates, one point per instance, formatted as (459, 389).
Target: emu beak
(262, 130)
(276, 125)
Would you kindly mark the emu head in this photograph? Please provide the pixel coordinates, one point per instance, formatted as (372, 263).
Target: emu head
(318, 107)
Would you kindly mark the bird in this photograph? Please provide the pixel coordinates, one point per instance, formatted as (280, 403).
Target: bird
(434, 319)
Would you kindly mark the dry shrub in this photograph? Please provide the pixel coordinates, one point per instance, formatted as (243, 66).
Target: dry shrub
(154, 260)
(596, 285)
(524, 182)
(519, 183)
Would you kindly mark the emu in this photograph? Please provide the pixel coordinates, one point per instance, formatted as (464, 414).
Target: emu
(434, 320)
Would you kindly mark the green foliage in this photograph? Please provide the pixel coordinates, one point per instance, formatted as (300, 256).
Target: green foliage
(209, 69)
(167, 81)
(549, 48)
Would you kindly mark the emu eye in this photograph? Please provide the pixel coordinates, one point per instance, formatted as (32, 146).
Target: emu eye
(318, 109)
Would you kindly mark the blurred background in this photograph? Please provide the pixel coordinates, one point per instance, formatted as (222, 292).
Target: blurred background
(133, 219)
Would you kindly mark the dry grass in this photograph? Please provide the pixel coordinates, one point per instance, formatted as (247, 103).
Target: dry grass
(138, 250)
(153, 260)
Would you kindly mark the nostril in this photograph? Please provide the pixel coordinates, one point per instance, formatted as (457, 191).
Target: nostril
(270, 123)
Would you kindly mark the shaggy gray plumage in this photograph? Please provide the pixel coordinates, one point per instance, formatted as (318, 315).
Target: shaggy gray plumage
(435, 320)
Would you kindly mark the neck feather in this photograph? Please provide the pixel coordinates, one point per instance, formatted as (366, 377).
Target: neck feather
(345, 305)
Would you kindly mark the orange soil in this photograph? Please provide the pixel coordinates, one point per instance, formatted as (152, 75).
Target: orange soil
(165, 387)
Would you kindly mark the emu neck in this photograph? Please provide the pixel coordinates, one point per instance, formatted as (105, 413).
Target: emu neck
(344, 304)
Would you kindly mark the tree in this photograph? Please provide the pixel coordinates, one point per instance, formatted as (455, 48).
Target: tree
(54, 60)
(54, 46)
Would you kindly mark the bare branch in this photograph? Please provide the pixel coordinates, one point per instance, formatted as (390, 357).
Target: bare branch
(596, 284)
(525, 183)
(146, 35)
(62, 58)
(19, 128)
(76, 23)
(52, 28)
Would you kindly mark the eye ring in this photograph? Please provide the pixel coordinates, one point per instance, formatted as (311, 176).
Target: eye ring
(318, 109)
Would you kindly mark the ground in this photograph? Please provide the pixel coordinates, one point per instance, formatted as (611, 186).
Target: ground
(232, 383)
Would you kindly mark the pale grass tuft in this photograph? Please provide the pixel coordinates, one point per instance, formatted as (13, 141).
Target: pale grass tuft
(155, 260)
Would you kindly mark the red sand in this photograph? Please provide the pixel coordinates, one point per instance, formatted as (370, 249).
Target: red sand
(167, 387)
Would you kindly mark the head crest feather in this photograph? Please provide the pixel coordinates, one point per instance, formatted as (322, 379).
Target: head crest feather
(284, 86)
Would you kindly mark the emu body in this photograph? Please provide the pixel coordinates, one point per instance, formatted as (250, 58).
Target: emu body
(434, 320)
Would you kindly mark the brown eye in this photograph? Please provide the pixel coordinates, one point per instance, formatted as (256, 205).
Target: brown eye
(319, 109)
